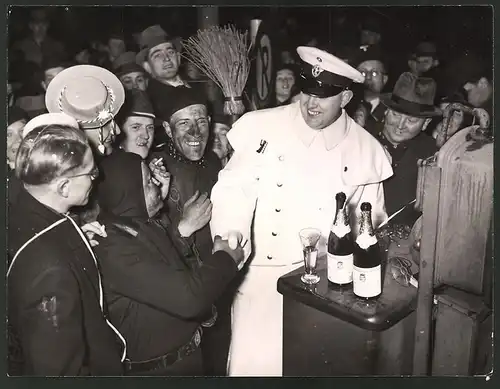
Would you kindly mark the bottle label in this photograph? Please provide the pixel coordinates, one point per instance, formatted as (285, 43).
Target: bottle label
(339, 268)
(341, 230)
(366, 240)
(367, 282)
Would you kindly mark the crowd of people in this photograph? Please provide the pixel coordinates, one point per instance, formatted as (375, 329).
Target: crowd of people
(147, 229)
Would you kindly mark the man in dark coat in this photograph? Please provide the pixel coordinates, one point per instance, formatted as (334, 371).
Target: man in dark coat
(154, 298)
(409, 111)
(56, 321)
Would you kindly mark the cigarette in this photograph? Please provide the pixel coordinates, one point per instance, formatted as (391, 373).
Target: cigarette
(158, 161)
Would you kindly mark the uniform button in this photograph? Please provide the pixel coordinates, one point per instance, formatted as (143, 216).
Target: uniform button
(274, 234)
(269, 257)
(279, 184)
(278, 210)
(281, 158)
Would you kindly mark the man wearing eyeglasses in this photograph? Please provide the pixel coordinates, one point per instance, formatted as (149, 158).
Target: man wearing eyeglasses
(370, 64)
(56, 321)
(289, 163)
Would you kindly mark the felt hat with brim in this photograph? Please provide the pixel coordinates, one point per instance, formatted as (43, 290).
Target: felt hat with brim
(324, 75)
(47, 119)
(90, 94)
(425, 49)
(413, 95)
(150, 38)
(137, 103)
(126, 63)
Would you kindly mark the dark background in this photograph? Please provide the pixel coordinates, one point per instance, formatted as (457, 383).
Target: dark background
(454, 28)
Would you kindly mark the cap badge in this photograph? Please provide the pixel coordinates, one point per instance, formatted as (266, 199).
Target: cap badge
(316, 71)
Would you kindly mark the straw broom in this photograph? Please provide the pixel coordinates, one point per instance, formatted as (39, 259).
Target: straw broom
(222, 54)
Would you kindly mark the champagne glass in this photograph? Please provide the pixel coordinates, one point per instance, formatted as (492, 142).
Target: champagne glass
(309, 238)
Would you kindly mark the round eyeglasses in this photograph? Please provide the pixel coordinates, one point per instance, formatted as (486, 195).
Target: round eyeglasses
(372, 73)
(93, 174)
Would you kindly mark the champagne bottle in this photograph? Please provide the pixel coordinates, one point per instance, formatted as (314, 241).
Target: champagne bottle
(340, 247)
(367, 273)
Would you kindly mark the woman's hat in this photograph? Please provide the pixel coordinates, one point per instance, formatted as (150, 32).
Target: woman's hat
(413, 95)
(90, 94)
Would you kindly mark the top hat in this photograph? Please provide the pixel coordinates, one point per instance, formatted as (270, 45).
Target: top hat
(413, 95)
(149, 38)
(323, 74)
(90, 94)
(126, 63)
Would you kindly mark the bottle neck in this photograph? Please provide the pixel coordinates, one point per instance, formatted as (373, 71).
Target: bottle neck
(366, 227)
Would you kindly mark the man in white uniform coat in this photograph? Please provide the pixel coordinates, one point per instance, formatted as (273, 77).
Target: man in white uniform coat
(288, 165)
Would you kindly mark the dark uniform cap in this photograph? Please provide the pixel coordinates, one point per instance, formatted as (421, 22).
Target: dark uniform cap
(175, 99)
(324, 75)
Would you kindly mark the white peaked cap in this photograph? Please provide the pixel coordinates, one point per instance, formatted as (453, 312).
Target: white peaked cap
(326, 66)
(48, 119)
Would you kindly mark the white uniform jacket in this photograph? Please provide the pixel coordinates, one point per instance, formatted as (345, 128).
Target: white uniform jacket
(283, 176)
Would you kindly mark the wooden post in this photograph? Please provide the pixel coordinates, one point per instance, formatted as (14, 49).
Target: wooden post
(208, 16)
(422, 351)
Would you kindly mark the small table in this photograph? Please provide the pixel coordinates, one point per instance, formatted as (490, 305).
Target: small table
(330, 332)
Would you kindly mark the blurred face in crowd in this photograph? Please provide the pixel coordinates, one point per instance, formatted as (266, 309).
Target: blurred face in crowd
(375, 75)
(134, 80)
(108, 134)
(400, 127)
(116, 47)
(139, 133)
(189, 130)
(163, 61)
(152, 193)
(39, 28)
(422, 64)
(14, 139)
(221, 145)
(285, 80)
(369, 37)
(319, 113)
(49, 75)
(83, 57)
(478, 93)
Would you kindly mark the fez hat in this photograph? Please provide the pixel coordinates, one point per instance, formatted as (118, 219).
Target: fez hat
(90, 94)
(172, 100)
(413, 95)
(323, 74)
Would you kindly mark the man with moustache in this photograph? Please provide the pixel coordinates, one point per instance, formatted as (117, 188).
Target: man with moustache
(289, 163)
(370, 64)
(194, 168)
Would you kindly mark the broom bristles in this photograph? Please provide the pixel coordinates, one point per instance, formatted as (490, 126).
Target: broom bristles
(221, 53)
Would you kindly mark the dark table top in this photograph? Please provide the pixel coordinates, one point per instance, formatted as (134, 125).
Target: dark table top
(394, 304)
